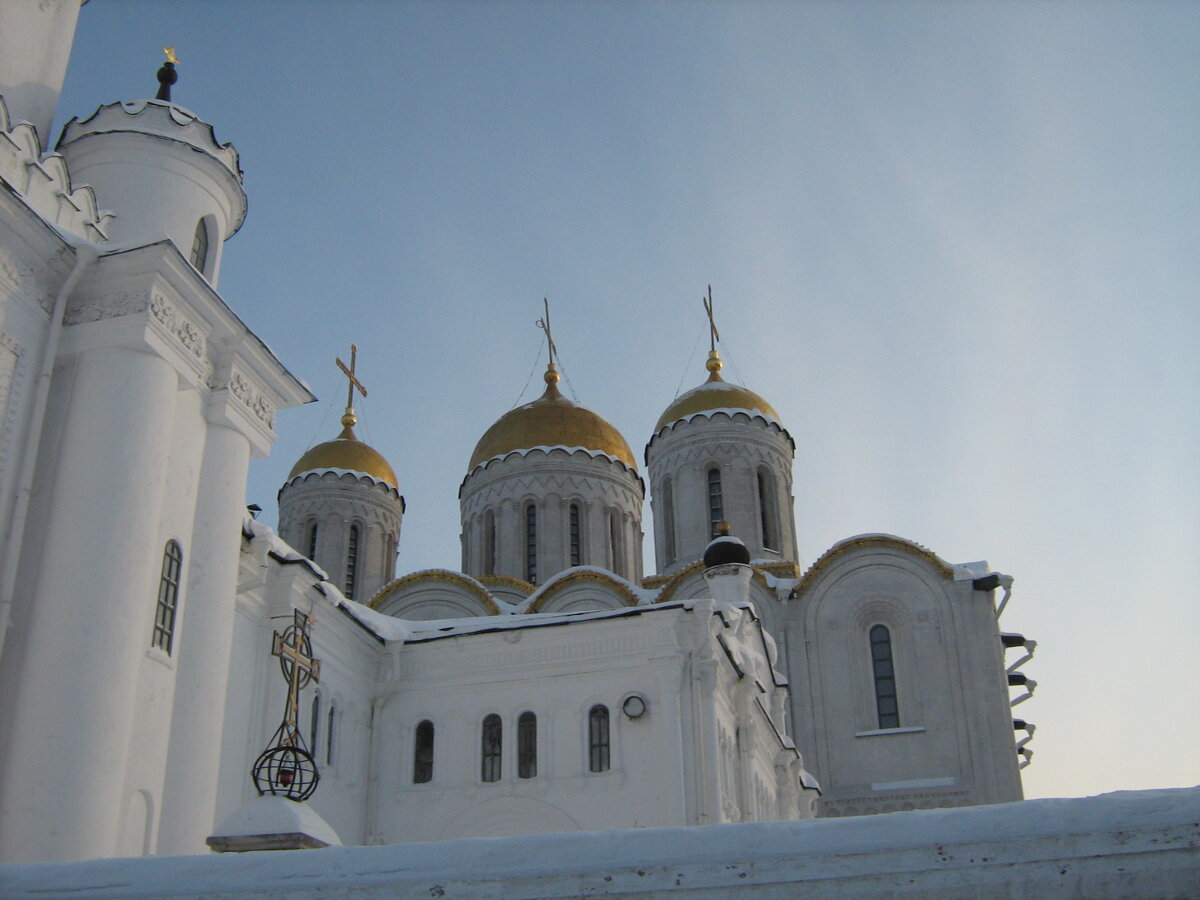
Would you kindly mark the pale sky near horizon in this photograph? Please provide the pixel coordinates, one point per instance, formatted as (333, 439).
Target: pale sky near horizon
(954, 244)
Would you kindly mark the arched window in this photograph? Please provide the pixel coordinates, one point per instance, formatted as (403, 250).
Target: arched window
(598, 746)
(312, 540)
(766, 510)
(531, 544)
(576, 558)
(199, 257)
(423, 753)
(716, 512)
(885, 678)
(489, 543)
(614, 539)
(668, 520)
(527, 745)
(168, 597)
(352, 561)
(491, 748)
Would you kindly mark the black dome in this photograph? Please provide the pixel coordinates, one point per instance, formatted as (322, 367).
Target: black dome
(724, 549)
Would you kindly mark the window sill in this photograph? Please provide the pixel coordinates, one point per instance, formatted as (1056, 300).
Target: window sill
(161, 657)
(912, 729)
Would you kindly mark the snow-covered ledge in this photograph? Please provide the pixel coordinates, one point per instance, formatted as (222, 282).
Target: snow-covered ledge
(1132, 845)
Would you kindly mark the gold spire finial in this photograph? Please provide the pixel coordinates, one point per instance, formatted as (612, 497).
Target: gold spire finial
(349, 419)
(714, 360)
(170, 53)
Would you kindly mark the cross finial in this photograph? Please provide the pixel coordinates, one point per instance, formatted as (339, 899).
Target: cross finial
(294, 650)
(170, 54)
(544, 324)
(354, 383)
(713, 334)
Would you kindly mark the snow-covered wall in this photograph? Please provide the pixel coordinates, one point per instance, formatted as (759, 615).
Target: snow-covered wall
(1130, 845)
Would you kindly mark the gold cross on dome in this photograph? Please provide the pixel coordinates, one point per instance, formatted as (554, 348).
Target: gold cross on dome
(170, 53)
(713, 334)
(544, 324)
(294, 651)
(354, 382)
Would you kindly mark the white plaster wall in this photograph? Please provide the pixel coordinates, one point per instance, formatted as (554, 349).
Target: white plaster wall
(552, 481)
(35, 45)
(737, 444)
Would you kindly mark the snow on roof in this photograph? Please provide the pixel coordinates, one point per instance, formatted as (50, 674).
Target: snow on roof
(278, 547)
(276, 815)
(321, 470)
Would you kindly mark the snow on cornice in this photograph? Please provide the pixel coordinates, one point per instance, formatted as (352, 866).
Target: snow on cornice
(331, 470)
(44, 183)
(548, 449)
(279, 549)
(157, 117)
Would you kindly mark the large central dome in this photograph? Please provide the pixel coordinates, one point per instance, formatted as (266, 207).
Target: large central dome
(551, 421)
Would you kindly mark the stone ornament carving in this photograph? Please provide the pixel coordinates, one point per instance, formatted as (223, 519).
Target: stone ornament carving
(180, 326)
(106, 306)
(241, 388)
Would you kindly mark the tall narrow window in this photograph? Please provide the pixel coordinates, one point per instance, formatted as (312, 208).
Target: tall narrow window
(168, 597)
(716, 512)
(885, 678)
(352, 561)
(199, 256)
(598, 746)
(531, 544)
(576, 559)
(766, 510)
(527, 745)
(314, 725)
(614, 538)
(312, 540)
(489, 543)
(423, 753)
(330, 737)
(491, 748)
(668, 520)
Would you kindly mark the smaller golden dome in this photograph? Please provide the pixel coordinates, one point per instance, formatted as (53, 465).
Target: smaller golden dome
(551, 421)
(346, 452)
(716, 393)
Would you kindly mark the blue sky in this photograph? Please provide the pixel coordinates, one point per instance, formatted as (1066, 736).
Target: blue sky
(953, 244)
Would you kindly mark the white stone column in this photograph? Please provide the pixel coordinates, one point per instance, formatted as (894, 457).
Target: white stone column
(205, 640)
(93, 611)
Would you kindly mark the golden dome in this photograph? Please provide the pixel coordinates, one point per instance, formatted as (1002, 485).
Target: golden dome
(346, 452)
(716, 393)
(551, 421)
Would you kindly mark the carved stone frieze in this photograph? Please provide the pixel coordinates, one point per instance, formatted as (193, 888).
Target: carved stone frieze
(240, 387)
(106, 306)
(183, 328)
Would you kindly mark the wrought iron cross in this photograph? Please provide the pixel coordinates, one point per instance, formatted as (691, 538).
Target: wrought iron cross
(299, 667)
(354, 382)
(713, 334)
(544, 324)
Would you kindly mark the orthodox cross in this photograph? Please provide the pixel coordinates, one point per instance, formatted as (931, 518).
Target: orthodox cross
(299, 668)
(713, 334)
(354, 382)
(544, 324)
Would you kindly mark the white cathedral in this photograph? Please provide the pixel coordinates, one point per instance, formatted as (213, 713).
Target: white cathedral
(548, 686)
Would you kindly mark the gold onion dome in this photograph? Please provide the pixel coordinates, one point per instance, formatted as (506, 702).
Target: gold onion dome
(346, 451)
(716, 393)
(551, 421)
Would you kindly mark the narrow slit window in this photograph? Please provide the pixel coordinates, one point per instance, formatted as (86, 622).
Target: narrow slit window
(168, 597)
(491, 748)
(312, 541)
(527, 745)
(885, 678)
(423, 753)
(531, 544)
(766, 510)
(598, 743)
(614, 538)
(489, 543)
(668, 520)
(330, 736)
(314, 725)
(574, 535)
(716, 512)
(352, 561)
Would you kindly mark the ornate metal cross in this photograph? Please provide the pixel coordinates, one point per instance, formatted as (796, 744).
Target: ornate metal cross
(544, 324)
(299, 668)
(354, 382)
(713, 334)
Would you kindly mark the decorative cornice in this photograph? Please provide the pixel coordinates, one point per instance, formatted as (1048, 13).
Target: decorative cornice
(877, 542)
(673, 582)
(583, 576)
(507, 581)
(435, 576)
(106, 306)
(243, 389)
(180, 326)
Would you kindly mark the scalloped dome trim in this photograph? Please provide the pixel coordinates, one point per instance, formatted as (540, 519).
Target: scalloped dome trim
(715, 395)
(548, 448)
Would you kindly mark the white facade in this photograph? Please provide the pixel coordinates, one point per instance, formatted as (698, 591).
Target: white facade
(139, 684)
